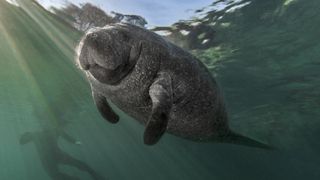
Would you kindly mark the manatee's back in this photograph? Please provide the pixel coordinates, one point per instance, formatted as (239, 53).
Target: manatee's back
(198, 110)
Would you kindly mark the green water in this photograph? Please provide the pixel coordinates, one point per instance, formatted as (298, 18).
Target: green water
(265, 56)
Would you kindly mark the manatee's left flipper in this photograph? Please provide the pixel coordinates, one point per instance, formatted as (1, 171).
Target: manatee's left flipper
(104, 108)
(161, 95)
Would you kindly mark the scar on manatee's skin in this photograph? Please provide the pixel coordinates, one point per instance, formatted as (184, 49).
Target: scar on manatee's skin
(157, 83)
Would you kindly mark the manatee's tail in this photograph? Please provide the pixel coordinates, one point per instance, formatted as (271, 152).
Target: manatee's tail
(238, 139)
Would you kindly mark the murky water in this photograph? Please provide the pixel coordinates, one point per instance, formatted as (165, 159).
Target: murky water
(265, 56)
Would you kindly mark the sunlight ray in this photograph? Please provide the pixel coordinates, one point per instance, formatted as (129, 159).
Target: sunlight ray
(62, 40)
(21, 62)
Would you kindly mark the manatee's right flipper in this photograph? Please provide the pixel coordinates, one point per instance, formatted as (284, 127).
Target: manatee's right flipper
(104, 108)
(161, 96)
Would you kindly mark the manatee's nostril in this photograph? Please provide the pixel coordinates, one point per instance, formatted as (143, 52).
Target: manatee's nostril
(91, 35)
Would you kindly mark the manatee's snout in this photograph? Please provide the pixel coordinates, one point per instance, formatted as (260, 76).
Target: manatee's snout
(100, 49)
(108, 53)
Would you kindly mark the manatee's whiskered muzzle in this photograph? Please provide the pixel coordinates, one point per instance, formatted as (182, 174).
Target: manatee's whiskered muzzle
(82, 59)
(107, 55)
(112, 63)
(86, 61)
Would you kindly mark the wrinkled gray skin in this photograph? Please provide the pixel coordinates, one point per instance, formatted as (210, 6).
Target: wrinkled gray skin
(155, 82)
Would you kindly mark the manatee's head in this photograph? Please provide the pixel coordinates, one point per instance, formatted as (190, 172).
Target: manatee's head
(109, 53)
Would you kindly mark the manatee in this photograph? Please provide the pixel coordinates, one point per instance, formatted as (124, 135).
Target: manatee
(157, 83)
